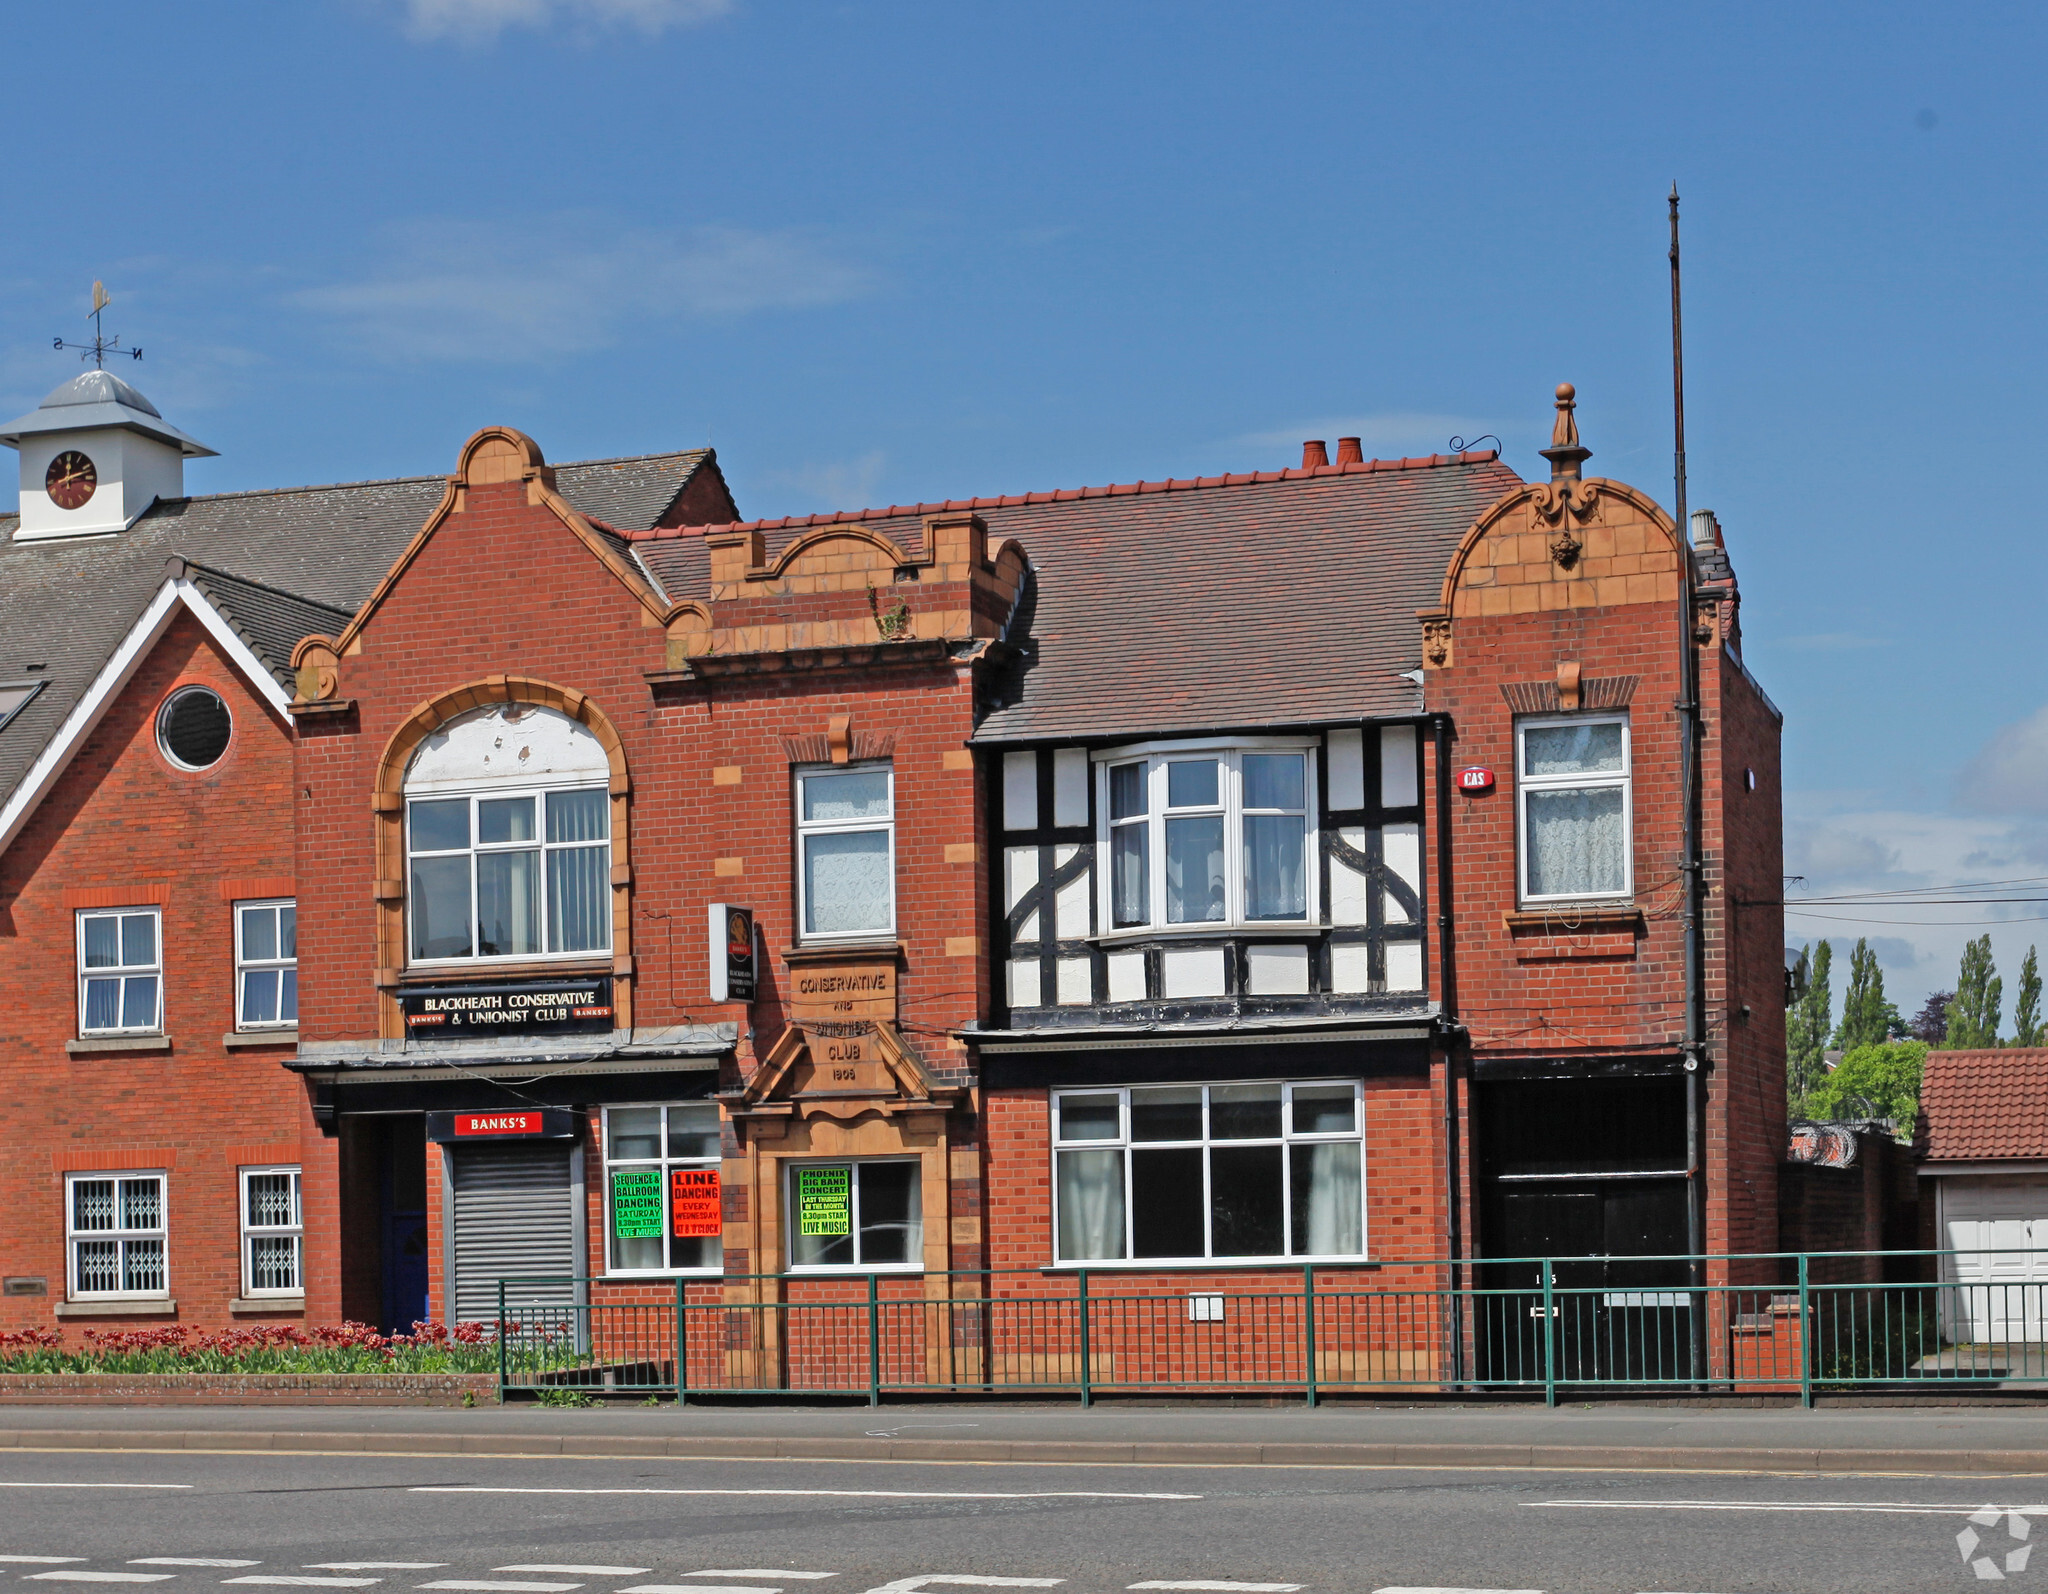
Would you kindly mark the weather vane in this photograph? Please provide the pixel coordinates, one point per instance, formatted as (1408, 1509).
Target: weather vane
(101, 345)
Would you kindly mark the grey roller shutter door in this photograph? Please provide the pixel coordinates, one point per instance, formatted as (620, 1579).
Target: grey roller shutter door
(514, 1218)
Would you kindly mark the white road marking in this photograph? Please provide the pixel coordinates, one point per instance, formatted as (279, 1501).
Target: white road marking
(186, 1560)
(828, 1494)
(41, 1560)
(699, 1588)
(1227, 1588)
(83, 1576)
(306, 1582)
(760, 1571)
(587, 1571)
(1878, 1507)
(1457, 1591)
(911, 1585)
(374, 1566)
(486, 1587)
(8, 1485)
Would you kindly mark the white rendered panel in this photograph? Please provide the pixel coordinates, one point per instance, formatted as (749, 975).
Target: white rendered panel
(1276, 970)
(1126, 976)
(517, 742)
(1070, 786)
(1347, 769)
(1076, 983)
(1348, 885)
(1404, 965)
(1350, 968)
(1070, 902)
(1020, 874)
(1399, 786)
(1191, 971)
(1020, 791)
(1024, 983)
(1401, 848)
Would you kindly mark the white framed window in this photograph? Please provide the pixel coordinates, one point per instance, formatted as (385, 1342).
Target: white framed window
(1208, 836)
(510, 874)
(266, 965)
(1573, 808)
(120, 972)
(867, 1215)
(662, 1212)
(273, 1233)
(846, 852)
(1190, 1173)
(115, 1229)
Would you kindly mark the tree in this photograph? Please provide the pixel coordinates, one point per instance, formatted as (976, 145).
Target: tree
(1973, 1015)
(1867, 1017)
(2027, 1028)
(1930, 1024)
(1880, 1081)
(1808, 1023)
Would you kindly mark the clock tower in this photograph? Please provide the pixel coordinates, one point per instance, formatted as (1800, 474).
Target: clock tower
(95, 455)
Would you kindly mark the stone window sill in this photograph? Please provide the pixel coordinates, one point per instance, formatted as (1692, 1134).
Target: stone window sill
(117, 1308)
(243, 1306)
(118, 1043)
(1568, 918)
(236, 1039)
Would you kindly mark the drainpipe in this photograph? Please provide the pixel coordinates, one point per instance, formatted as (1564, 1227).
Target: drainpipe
(1447, 975)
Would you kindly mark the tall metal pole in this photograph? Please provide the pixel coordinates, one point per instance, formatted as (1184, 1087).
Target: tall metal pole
(1688, 753)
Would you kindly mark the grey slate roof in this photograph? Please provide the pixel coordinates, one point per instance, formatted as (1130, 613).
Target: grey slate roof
(281, 564)
(1224, 603)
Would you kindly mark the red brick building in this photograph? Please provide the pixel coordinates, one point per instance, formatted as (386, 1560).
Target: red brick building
(1222, 877)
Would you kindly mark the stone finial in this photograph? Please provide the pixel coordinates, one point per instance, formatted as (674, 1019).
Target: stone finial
(1565, 453)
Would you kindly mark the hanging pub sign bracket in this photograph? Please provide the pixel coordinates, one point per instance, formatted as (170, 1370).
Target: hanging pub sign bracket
(732, 959)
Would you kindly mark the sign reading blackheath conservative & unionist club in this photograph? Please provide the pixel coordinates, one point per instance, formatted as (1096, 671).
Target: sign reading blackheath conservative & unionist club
(530, 1007)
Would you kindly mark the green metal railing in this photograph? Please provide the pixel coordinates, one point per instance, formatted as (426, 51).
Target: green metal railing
(1787, 1323)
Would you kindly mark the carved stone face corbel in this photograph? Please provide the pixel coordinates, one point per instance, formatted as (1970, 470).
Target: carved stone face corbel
(1436, 643)
(1706, 619)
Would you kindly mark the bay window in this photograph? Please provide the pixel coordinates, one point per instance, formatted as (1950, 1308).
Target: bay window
(846, 852)
(662, 1184)
(1573, 801)
(1184, 1173)
(1206, 836)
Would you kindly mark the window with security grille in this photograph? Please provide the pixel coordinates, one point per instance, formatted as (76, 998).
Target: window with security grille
(115, 1232)
(273, 1235)
(120, 972)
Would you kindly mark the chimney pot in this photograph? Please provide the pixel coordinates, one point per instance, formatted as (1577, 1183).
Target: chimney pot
(1314, 453)
(1350, 451)
(1706, 529)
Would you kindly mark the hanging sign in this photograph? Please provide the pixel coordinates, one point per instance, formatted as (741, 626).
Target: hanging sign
(510, 1123)
(693, 1204)
(732, 953)
(824, 1201)
(468, 1012)
(636, 1203)
(1475, 779)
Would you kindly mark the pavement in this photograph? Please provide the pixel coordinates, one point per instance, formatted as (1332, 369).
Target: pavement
(1705, 1438)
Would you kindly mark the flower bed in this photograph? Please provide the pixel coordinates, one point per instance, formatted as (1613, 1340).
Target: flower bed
(282, 1349)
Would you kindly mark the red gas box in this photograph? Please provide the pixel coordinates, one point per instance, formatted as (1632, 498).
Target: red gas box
(1475, 779)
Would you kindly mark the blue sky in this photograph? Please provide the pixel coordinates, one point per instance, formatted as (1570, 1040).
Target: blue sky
(900, 251)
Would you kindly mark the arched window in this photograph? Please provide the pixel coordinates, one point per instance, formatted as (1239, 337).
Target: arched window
(508, 839)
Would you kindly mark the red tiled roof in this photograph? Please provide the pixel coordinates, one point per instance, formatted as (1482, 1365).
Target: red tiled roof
(1986, 1104)
(1476, 456)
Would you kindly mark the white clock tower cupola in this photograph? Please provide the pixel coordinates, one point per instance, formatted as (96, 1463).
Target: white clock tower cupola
(95, 455)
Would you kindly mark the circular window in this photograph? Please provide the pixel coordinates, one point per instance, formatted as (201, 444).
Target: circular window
(192, 728)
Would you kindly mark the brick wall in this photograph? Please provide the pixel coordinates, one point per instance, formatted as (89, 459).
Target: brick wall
(123, 823)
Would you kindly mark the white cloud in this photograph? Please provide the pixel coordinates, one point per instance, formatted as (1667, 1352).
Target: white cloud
(1395, 434)
(475, 21)
(566, 285)
(2009, 775)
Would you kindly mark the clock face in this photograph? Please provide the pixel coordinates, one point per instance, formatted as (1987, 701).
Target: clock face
(70, 480)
